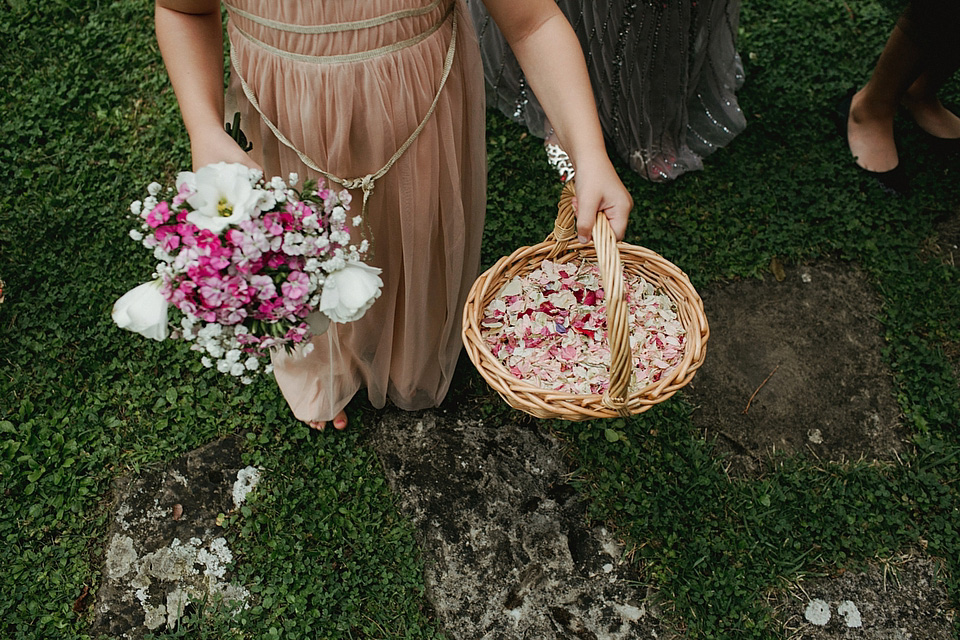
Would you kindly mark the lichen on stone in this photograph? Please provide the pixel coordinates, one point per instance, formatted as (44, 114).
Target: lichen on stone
(817, 612)
(121, 556)
(195, 570)
(154, 617)
(247, 479)
(850, 613)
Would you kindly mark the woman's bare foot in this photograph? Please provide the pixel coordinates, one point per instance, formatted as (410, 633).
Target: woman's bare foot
(933, 117)
(870, 136)
(339, 423)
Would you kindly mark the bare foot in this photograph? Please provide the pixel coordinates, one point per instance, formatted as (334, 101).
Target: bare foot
(870, 137)
(933, 117)
(339, 423)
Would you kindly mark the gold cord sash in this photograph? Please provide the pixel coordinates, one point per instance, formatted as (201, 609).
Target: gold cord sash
(338, 27)
(365, 183)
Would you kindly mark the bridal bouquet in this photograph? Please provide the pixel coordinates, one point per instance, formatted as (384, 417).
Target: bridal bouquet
(250, 266)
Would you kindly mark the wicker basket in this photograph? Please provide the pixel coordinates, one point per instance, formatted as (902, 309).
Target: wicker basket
(612, 258)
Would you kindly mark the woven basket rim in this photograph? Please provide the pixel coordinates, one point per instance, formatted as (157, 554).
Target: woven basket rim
(522, 382)
(520, 393)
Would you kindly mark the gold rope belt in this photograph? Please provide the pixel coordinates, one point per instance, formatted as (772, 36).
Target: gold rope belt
(337, 27)
(365, 183)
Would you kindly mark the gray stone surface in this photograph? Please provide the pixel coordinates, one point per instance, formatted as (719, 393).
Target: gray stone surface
(508, 552)
(807, 350)
(164, 548)
(902, 599)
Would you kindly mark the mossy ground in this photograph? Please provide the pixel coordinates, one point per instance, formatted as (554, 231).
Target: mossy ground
(89, 119)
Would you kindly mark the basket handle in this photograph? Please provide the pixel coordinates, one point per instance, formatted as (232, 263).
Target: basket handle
(611, 273)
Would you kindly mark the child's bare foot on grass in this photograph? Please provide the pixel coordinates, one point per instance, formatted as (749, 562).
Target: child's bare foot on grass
(339, 423)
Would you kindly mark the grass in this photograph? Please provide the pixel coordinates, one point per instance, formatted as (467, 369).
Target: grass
(88, 117)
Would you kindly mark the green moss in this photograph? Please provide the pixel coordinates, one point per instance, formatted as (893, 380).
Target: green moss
(89, 119)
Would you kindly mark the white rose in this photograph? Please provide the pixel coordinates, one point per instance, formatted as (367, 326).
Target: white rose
(143, 310)
(349, 292)
(222, 195)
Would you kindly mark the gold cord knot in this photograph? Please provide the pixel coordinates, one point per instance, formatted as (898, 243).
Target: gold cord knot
(365, 183)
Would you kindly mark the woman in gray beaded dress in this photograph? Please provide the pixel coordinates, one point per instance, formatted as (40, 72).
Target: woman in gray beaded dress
(664, 73)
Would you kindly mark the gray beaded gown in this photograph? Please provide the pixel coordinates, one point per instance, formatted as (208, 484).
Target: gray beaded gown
(664, 73)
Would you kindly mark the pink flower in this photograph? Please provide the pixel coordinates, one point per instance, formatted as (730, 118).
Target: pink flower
(296, 286)
(238, 288)
(167, 237)
(208, 240)
(158, 215)
(297, 333)
(272, 224)
(269, 308)
(234, 236)
(183, 292)
(183, 193)
(247, 338)
(264, 287)
(212, 296)
(233, 316)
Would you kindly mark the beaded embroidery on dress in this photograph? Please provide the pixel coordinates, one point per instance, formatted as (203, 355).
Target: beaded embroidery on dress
(664, 74)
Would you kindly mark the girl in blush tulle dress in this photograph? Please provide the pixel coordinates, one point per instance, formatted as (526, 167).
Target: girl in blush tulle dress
(384, 97)
(665, 75)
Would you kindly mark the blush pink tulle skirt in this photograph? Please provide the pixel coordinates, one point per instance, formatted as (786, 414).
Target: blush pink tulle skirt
(425, 216)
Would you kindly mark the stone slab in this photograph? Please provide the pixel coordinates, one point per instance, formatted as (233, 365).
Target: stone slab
(508, 552)
(902, 599)
(164, 550)
(795, 367)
